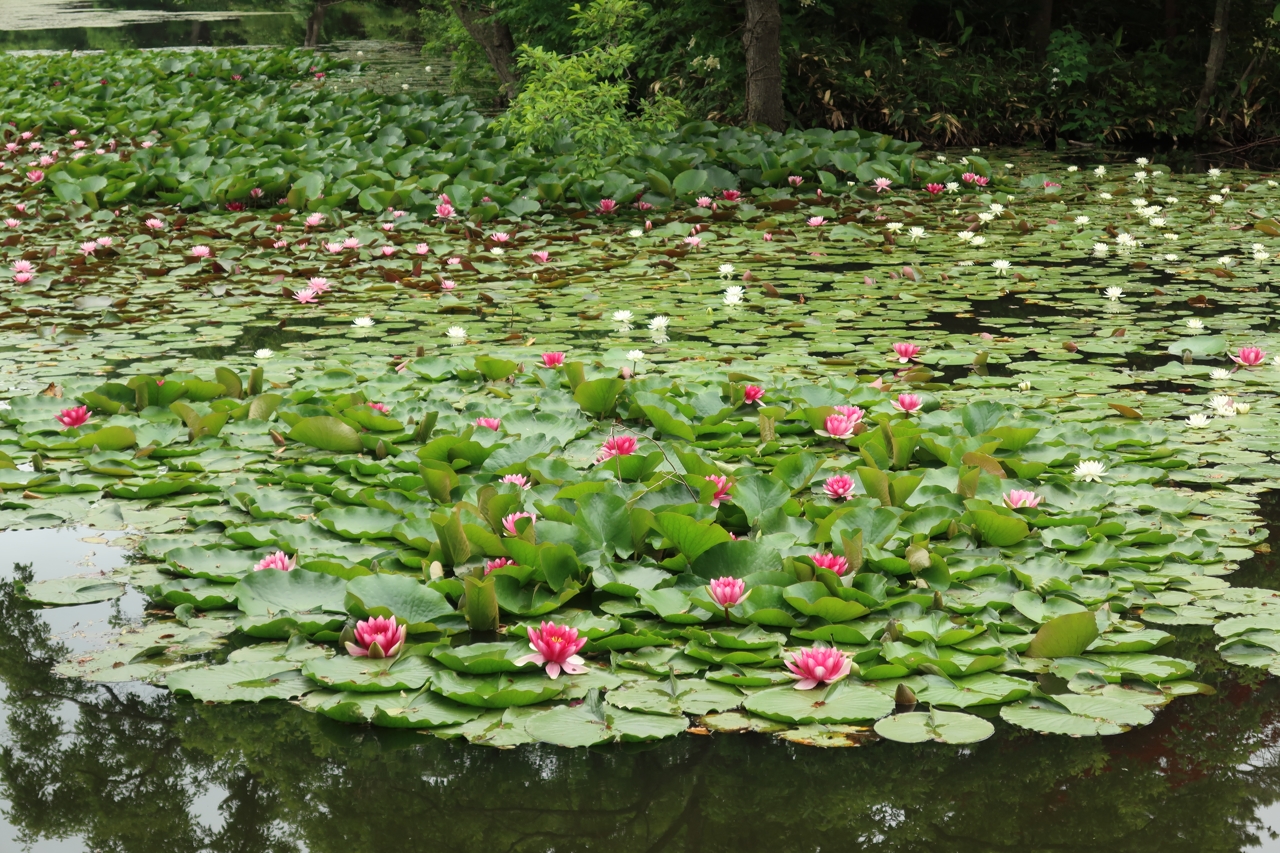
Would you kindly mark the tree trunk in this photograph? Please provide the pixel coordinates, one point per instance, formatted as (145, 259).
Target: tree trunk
(1217, 58)
(314, 22)
(1041, 27)
(495, 37)
(761, 37)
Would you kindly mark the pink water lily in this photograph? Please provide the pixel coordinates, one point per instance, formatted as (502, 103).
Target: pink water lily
(422, 249)
(935, 189)
(12, 223)
(853, 413)
(278, 560)
(541, 257)
(882, 184)
(444, 210)
(22, 277)
(556, 647)
(906, 352)
(616, 445)
(21, 266)
(88, 248)
(727, 592)
(752, 394)
(509, 522)
(377, 638)
(499, 236)
(767, 237)
(351, 243)
(388, 251)
(695, 242)
(1249, 356)
(154, 224)
(305, 296)
(519, 480)
(382, 408)
(35, 176)
(818, 665)
(606, 205)
(73, 417)
(552, 359)
(815, 221)
(704, 201)
(834, 562)
(314, 219)
(969, 177)
(494, 424)
(319, 284)
(722, 488)
(201, 251)
(447, 284)
(908, 404)
(839, 487)
(731, 195)
(795, 180)
(498, 563)
(838, 427)
(1019, 498)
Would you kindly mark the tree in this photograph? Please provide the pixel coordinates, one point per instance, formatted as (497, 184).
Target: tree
(494, 37)
(1217, 58)
(761, 38)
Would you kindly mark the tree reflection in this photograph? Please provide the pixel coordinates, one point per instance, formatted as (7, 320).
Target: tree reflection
(127, 769)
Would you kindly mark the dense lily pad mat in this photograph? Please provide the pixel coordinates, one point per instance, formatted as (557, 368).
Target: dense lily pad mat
(383, 403)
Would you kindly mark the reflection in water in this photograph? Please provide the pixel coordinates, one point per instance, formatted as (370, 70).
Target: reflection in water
(134, 770)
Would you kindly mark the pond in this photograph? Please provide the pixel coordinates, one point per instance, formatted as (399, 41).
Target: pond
(569, 409)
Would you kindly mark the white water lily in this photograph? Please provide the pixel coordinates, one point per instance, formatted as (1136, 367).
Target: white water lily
(497, 250)
(1260, 255)
(1001, 267)
(953, 186)
(1227, 261)
(1215, 172)
(1215, 199)
(1157, 173)
(726, 270)
(1171, 236)
(622, 316)
(1089, 471)
(1100, 171)
(1173, 199)
(659, 337)
(1082, 220)
(264, 353)
(733, 295)
(362, 322)
(1105, 196)
(456, 333)
(1114, 293)
(1156, 222)
(893, 227)
(1073, 168)
(1099, 250)
(940, 158)
(635, 232)
(1195, 323)
(1170, 257)
(1008, 165)
(997, 209)
(1219, 374)
(984, 216)
(1024, 385)
(1142, 161)
(1138, 202)
(1127, 241)
(635, 355)
(965, 236)
(1243, 408)
(916, 232)
(659, 323)
(964, 263)
(1198, 421)
(977, 240)
(1223, 406)
(1140, 176)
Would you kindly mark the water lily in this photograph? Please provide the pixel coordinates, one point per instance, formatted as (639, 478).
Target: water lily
(494, 424)
(444, 210)
(1219, 374)
(422, 249)
(541, 257)
(1195, 324)
(659, 323)
(456, 333)
(1001, 267)
(380, 408)
(726, 270)
(882, 184)
(815, 221)
(616, 445)
(305, 296)
(555, 647)
(623, 316)
(833, 562)
(722, 488)
(1089, 471)
(906, 352)
(277, 560)
(1249, 357)
(838, 427)
(1113, 293)
(915, 232)
(35, 176)
(1019, 498)
(934, 189)
(88, 248)
(908, 404)
(1223, 406)
(509, 522)
(727, 592)
(894, 227)
(1100, 250)
(693, 241)
(362, 322)
(752, 394)
(1082, 220)
(71, 418)
(606, 205)
(552, 359)
(378, 637)
(498, 563)
(839, 487)
(733, 295)
(818, 665)
(1199, 420)
(518, 480)
(795, 180)
(264, 353)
